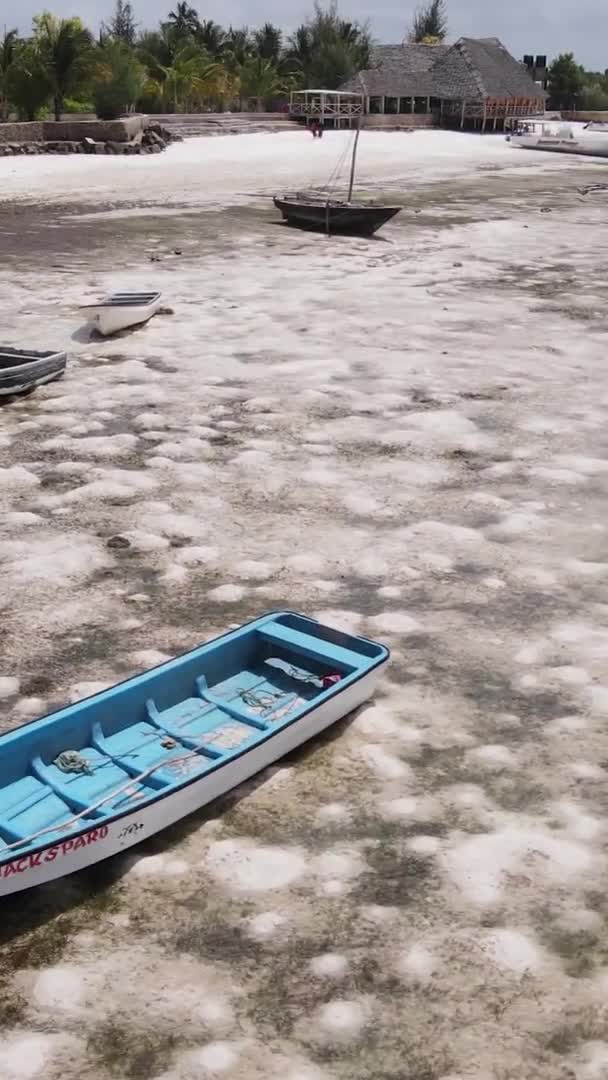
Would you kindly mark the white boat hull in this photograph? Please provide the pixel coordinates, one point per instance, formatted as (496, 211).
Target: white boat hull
(109, 320)
(590, 147)
(93, 845)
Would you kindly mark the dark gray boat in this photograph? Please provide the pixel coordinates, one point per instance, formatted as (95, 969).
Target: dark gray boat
(325, 213)
(333, 215)
(24, 369)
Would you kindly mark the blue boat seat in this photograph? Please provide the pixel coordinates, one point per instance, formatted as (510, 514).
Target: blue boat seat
(192, 713)
(139, 747)
(28, 805)
(308, 645)
(82, 790)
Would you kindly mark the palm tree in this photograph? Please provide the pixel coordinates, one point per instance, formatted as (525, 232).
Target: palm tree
(64, 48)
(237, 49)
(184, 20)
(8, 45)
(268, 40)
(326, 50)
(211, 36)
(430, 24)
(188, 79)
(261, 80)
(120, 80)
(28, 87)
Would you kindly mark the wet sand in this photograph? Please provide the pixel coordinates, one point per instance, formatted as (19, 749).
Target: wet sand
(406, 437)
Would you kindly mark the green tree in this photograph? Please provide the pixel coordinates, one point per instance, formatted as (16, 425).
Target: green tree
(188, 80)
(119, 81)
(184, 20)
(430, 24)
(268, 42)
(237, 49)
(156, 45)
(65, 50)
(8, 47)
(565, 81)
(122, 26)
(210, 36)
(261, 81)
(28, 87)
(327, 50)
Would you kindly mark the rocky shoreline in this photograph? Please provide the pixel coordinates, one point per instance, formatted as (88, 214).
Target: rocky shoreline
(153, 139)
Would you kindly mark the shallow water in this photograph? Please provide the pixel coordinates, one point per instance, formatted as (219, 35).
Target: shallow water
(404, 436)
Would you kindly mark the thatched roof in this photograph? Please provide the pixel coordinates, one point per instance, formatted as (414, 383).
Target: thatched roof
(397, 70)
(472, 68)
(479, 68)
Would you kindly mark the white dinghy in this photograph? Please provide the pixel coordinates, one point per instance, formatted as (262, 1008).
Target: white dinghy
(121, 310)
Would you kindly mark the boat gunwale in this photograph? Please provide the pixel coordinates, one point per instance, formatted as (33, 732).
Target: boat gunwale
(142, 300)
(265, 736)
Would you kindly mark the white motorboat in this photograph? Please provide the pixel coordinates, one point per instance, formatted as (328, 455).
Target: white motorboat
(560, 138)
(121, 310)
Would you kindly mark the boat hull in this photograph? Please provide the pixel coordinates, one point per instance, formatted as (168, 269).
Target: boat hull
(109, 321)
(559, 145)
(94, 844)
(348, 219)
(21, 371)
(122, 311)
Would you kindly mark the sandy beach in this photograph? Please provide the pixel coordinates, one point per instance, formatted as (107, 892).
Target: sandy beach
(404, 436)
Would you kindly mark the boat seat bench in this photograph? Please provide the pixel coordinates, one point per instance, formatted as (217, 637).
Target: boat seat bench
(308, 645)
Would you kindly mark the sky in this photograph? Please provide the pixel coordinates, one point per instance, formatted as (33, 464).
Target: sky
(524, 26)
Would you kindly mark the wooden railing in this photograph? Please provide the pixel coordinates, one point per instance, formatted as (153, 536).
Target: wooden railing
(327, 108)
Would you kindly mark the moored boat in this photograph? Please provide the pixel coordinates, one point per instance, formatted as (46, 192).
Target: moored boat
(333, 215)
(25, 369)
(121, 310)
(328, 214)
(98, 776)
(560, 138)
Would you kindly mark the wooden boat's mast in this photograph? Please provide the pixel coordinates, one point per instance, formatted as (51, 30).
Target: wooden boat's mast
(353, 160)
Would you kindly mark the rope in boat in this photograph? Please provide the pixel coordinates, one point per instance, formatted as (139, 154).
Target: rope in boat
(73, 761)
(100, 802)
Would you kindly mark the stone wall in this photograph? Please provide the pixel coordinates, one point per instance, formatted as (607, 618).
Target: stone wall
(124, 130)
(22, 133)
(101, 130)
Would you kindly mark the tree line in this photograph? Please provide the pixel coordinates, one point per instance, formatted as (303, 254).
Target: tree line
(186, 64)
(191, 64)
(571, 86)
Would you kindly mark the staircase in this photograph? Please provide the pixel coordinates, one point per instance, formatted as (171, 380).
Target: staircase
(196, 125)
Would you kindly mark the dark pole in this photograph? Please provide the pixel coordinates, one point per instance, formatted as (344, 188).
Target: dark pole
(353, 160)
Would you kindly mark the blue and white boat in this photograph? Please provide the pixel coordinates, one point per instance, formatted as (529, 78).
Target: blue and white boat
(99, 776)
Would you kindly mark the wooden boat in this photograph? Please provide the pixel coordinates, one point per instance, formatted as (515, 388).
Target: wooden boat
(333, 215)
(24, 369)
(97, 777)
(325, 213)
(121, 310)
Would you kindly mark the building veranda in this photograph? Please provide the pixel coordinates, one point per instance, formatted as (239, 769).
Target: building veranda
(474, 83)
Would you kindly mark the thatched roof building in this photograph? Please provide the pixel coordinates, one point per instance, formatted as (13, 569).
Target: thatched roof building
(475, 80)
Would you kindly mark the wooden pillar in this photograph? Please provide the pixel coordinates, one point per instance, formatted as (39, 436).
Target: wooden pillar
(495, 119)
(412, 104)
(462, 115)
(382, 105)
(483, 125)
(366, 105)
(428, 104)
